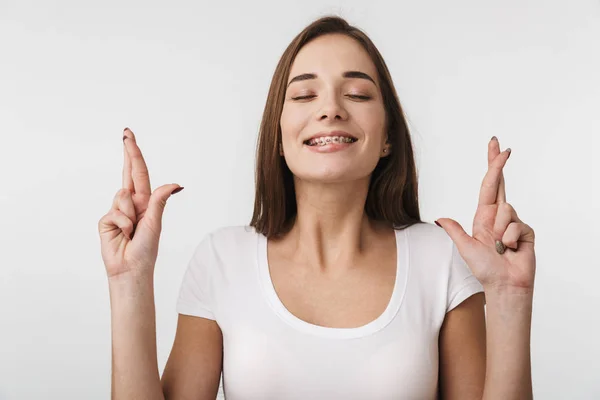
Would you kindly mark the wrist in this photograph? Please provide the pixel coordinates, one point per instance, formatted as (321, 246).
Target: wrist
(513, 306)
(130, 284)
(131, 277)
(508, 292)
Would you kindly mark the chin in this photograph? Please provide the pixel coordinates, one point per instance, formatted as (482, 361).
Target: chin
(328, 175)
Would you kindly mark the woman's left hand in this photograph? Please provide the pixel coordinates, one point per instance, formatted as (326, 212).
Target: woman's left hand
(496, 226)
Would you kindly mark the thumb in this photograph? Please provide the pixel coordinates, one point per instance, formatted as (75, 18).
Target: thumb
(456, 233)
(156, 206)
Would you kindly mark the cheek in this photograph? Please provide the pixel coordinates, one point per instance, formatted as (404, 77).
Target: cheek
(292, 121)
(372, 122)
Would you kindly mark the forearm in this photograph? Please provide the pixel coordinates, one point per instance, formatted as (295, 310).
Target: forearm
(508, 366)
(133, 325)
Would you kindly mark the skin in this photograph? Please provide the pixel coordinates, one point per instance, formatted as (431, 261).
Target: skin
(330, 235)
(507, 278)
(330, 102)
(331, 229)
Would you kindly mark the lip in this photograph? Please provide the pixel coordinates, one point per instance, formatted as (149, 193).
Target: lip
(332, 133)
(330, 147)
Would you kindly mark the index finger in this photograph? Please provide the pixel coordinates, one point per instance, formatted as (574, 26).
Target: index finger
(493, 151)
(139, 170)
(490, 187)
(501, 196)
(127, 178)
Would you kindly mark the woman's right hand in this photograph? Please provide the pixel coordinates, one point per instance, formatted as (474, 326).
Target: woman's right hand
(130, 231)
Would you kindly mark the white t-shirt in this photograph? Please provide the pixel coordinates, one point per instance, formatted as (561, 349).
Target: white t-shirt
(268, 353)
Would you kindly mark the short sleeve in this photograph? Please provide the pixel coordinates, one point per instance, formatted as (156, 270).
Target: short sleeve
(462, 284)
(195, 294)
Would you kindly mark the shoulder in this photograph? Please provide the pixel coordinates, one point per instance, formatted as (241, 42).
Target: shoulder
(433, 254)
(429, 238)
(227, 240)
(428, 254)
(232, 235)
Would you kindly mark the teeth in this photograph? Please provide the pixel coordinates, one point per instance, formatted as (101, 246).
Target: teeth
(322, 141)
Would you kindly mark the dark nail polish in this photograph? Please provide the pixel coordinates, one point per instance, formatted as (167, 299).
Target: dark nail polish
(500, 247)
(509, 151)
(494, 138)
(438, 224)
(179, 189)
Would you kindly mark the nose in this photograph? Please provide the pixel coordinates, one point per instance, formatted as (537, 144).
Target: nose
(332, 109)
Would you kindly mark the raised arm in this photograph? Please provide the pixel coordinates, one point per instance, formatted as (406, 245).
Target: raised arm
(501, 255)
(129, 236)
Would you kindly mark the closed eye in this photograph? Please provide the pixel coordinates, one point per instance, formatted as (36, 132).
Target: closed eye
(304, 97)
(360, 97)
(352, 96)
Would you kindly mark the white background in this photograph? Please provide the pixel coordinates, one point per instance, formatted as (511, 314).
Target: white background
(191, 79)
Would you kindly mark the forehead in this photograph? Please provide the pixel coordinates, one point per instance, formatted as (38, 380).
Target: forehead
(333, 54)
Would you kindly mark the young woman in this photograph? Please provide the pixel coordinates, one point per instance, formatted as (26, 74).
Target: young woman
(337, 289)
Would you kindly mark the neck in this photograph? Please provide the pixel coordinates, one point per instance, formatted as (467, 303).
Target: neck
(331, 231)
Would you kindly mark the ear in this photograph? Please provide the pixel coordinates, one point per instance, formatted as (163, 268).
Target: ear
(387, 149)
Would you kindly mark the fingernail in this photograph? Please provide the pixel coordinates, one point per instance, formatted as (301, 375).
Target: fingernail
(438, 224)
(509, 151)
(124, 137)
(179, 189)
(494, 138)
(500, 247)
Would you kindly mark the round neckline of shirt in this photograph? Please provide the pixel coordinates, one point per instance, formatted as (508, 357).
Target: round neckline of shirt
(402, 270)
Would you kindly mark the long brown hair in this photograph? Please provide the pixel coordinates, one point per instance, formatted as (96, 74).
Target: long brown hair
(393, 190)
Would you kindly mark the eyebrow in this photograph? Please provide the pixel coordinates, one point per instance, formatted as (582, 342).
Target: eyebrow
(347, 74)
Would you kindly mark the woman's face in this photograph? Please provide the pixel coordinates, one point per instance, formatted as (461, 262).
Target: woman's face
(333, 91)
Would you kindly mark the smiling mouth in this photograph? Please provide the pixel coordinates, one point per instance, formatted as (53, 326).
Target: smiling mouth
(325, 140)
